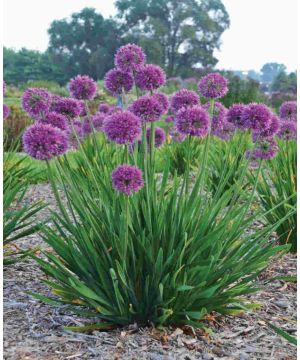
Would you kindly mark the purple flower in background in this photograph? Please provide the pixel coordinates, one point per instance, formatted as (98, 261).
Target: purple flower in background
(150, 77)
(176, 135)
(97, 122)
(130, 58)
(104, 108)
(288, 130)
(82, 87)
(257, 117)
(265, 148)
(235, 115)
(192, 121)
(75, 134)
(270, 131)
(83, 108)
(122, 127)
(219, 116)
(159, 136)
(127, 179)
(288, 111)
(213, 86)
(163, 101)
(169, 119)
(147, 108)
(183, 99)
(36, 101)
(117, 81)
(6, 111)
(43, 141)
(4, 88)
(71, 108)
(55, 119)
(226, 131)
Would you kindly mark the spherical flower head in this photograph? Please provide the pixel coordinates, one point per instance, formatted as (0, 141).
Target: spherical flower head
(82, 87)
(97, 122)
(176, 135)
(213, 86)
(150, 77)
(184, 98)
(219, 115)
(163, 101)
(265, 148)
(169, 119)
(4, 88)
(257, 117)
(270, 131)
(147, 108)
(225, 132)
(235, 116)
(122, 127)
(193, 121)
(159, 136)
(75, 134)
(6, 111)
(127, 179)
(288, 130)
(288, 111)
(55, 119)
(104, 108)
(117, 81)
(36, 101)
(71, 108)
(43, 141)
(130, 58)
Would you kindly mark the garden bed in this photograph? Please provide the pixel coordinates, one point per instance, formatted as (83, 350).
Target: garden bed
(33, 330)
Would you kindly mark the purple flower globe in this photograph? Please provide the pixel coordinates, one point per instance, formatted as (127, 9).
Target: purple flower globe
(71, 108)
(159, 136)
(176, 136)
(104, 108)
(288, 130)
(257, 117)
(265, 148)
(6, 111)
(213, 86)
(288, 111)
(169, 119)
(127, 179)
(150, 77)
(147, 108)
(163, 100)
(270, 131)
(235, 116)
(43, 141)
(130, 58)
(97, 122)
(117, 81)
(122, 127)
(219, 115)
(75, 134)
(192, 121)
(82, 87)
(55, 119)
(184, 98)
(36, 101)
(225, 132)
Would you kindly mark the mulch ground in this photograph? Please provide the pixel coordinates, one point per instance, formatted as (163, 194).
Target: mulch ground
(34, 331)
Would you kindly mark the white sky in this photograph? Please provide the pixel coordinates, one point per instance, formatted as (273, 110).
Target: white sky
(261, 30)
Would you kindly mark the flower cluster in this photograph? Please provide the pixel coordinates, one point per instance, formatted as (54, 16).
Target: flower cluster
(183, 99)
(82, 87)
(265, 148)
(192, 121)
(213, 86)
(127, 179)
(130, 58)
(6, 111)
(117, 81)
(71, 108)
(97, 121)
(55, 119)
(75, 134)
(150, 77)
(219, 115)
(159, 136)
(288, 111)
(36, 101)
(257, 117)
(288, 130)
(235, 116)
(147, 108)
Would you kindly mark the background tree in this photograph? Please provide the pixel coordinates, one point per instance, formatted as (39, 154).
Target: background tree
(178, 35)
(284, 82)
(270, 71)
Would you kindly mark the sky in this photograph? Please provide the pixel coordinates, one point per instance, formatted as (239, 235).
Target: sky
(261, 31)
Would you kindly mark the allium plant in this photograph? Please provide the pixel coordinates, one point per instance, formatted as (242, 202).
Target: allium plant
(36, 101)
(288, 111)
(82, 87)
(132, 245)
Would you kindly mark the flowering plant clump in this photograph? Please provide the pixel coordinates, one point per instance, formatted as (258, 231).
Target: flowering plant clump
(213, 86)
(288, 111)
(288, 130)
(96, 122)
(117, 81)
(82, 87)
(235, 116)
(71, 108)
(36, 101)
(55, 119)
(150, 239)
